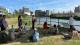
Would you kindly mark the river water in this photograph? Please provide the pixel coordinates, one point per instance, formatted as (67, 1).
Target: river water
(41, 20)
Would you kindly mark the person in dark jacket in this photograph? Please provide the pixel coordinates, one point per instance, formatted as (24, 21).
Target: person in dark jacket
(19, 22)
(4, 23)
(33, 21)
(1, 21)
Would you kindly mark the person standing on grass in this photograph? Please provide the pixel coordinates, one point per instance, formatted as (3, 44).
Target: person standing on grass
(33, 21)
(3, 34)
(1, 21)
(4, 23)
(19, 22)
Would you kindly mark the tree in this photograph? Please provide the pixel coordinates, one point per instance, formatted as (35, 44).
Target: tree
(4, 11)
(16, 12)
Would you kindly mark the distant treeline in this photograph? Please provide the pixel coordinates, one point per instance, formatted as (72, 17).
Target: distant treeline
(75, 17)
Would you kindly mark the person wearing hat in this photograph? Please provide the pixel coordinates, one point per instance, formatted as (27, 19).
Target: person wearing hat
(35, 35)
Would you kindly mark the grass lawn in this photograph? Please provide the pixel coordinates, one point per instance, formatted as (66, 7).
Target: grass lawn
(14, 21)
(51, 40)
(46, 40)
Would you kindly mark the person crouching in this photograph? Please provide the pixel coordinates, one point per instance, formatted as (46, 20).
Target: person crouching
(75, 34)
(35, 35)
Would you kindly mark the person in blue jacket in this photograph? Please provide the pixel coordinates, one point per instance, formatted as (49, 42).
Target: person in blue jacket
(35, 35)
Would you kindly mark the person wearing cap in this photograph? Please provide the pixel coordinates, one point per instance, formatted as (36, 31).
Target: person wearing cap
(35, 35)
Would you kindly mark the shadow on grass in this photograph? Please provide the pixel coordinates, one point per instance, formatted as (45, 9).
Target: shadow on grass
(43, 33)
(24, 38)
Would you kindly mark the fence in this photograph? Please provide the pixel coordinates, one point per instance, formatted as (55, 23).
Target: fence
(51, 21)
(40, 21)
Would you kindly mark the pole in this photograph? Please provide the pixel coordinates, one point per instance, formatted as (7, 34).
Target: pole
(58, 21)
(50, 20)
(39, 20)
(58, 26)
(46, 19)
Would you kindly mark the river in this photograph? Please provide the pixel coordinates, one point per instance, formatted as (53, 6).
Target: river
(41, 20)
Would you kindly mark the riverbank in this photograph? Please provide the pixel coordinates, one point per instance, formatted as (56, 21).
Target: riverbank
(67, 18)
(46, 39)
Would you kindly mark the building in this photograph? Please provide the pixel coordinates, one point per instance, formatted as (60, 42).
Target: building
(25, 10)
(47, 12)
(77, 9)
(40, 13)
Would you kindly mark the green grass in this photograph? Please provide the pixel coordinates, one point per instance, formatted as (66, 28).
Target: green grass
(51, 40)
(45, 40)
(14, 21)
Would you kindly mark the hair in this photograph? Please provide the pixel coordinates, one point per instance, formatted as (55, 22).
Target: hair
(12, 26)
(54, 25)
(19, 16)
(25, 23)
(4, 16)
(21, 27)
(72, 27)
(45, 23)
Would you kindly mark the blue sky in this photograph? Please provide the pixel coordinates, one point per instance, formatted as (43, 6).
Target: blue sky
(56, 5)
